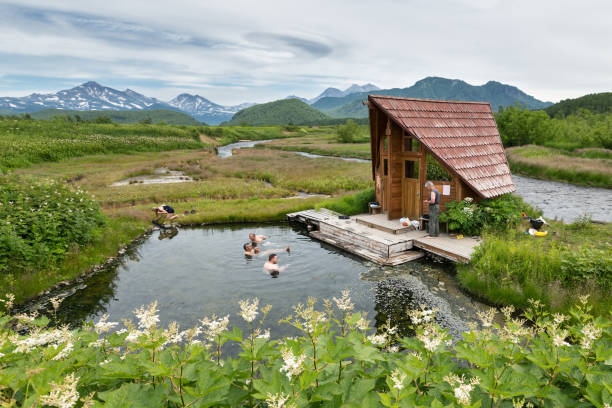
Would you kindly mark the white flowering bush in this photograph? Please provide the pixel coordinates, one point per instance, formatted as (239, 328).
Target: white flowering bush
(336, 361)
(470, 217)
(40, 221)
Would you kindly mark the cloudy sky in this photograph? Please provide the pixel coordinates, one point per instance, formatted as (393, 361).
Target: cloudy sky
(256, 51)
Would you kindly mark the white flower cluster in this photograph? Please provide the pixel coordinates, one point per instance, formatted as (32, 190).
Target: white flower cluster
(468, 210)
(262, 335)
(103, 325)
(62, 395)
(397, 378)
(431, 337)
(293, 365)
(514, 331)
(277, 400)
(344, 303)
(461, 387)
(147, 317)
(248, 309)
(487, 317)
(214, 326)
(378, 339)
(590, 333)
(422, 316)
(308, 317)
(37, 338)
(362, 324)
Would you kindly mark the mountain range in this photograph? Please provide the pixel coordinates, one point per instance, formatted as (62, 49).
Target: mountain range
(333, 102)
(496, 93)
(337, 93)
(92, 96)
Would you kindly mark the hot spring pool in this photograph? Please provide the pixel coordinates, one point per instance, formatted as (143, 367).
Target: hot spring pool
(198, 272)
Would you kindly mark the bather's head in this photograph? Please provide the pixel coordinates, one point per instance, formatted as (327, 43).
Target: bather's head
(252, 236)
(247, 247)
(273, 259)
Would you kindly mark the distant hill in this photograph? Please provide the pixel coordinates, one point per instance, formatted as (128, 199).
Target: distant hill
(280, 112)
(120, 116)
(204, 110)
(597, 103)
(497, 94)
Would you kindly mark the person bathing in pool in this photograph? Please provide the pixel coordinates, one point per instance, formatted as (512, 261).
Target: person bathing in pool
(250, 250)
(272, 266)
(256, 239)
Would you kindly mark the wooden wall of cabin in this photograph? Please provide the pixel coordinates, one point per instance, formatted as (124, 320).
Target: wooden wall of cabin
(396, 172)
(380, 181)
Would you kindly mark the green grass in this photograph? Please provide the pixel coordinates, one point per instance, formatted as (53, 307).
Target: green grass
(170, 117)
(573, 260)
(25, 142)
(108, 239)
(591, 167)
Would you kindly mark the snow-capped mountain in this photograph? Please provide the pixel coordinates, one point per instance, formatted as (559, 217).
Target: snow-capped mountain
(88, 96)
(204, 110)
(337, 93)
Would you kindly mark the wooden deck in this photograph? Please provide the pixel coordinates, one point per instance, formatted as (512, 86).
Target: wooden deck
(379, 240)
(381, 222)
(458, 250)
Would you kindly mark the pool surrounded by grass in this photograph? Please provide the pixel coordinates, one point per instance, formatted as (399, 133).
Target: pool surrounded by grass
(195, 273)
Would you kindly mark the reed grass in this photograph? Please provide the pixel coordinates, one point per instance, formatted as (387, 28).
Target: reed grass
(512, 267)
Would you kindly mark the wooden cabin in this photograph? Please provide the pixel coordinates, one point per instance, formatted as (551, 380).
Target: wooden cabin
(459, 139)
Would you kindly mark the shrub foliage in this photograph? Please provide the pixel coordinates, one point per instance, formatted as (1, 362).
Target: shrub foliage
(336, 361)
(40, 221)
(470, 217)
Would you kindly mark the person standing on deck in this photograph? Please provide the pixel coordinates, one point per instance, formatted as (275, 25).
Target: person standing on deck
(433, 227)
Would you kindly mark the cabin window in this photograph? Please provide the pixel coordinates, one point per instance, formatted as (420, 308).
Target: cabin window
(411, 169)
(386, 144)
(407, 143)
(385, 167)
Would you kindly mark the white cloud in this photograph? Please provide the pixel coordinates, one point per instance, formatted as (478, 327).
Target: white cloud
(238, 51)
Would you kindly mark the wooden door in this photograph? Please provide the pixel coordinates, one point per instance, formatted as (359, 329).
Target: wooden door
(410, 190)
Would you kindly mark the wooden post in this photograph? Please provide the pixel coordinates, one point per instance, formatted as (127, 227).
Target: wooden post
(422, 178)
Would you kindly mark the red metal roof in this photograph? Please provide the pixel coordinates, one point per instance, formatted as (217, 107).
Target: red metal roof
(463, 135)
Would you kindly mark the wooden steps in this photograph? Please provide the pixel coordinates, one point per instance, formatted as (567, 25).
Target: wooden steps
(378, 245)
(397, 259)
